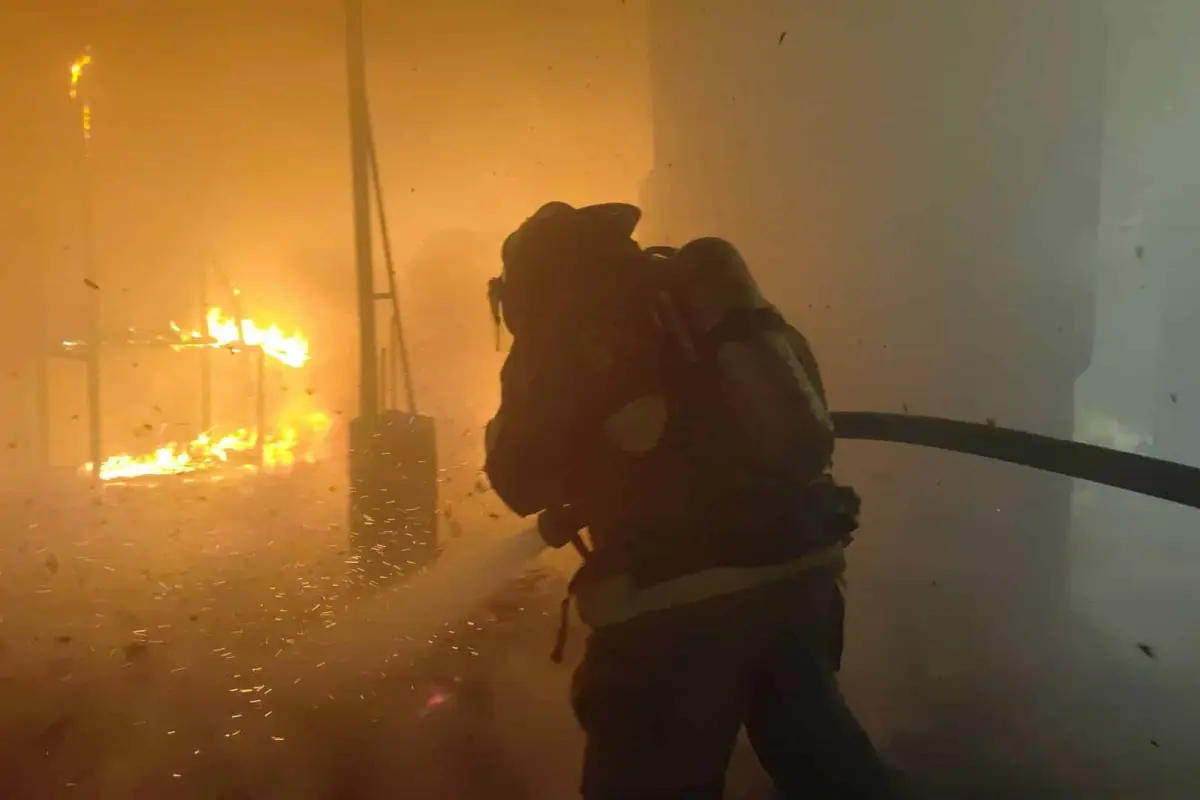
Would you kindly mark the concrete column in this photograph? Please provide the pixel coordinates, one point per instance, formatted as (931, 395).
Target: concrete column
(917, 186)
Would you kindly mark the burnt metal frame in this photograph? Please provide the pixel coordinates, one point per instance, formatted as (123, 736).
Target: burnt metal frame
(377, 367)
(91, 356)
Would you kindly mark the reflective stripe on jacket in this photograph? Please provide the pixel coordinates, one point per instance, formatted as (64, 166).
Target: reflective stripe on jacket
(613, 599)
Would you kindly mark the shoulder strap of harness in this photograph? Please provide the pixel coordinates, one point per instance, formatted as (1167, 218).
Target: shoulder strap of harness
(740, 324)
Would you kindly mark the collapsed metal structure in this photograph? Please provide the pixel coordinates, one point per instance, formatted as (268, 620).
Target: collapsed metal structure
(90, 353)
(97, 339)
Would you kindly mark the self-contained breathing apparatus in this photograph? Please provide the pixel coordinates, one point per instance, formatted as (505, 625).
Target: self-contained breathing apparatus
(737, 379)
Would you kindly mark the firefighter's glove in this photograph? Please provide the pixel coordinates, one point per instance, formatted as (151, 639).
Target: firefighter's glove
(846, 509)
(558, 525)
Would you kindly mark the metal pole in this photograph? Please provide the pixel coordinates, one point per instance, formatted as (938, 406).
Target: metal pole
(81, 94)
(397, 324)
(385, 371)
(92, 364)
(42, 377)
(356, 85)
(205, 356)
(390, 388)
(260, 405)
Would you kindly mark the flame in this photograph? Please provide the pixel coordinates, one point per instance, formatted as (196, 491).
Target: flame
(223, 330)
(298, 441)
(289, 445)
(77, 72)
(291, 350)
(76, 76)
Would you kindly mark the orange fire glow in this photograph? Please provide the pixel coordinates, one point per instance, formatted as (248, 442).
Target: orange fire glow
(85, 111)
(77, 72)
(222, 330)
(290, 445)
(300, 440)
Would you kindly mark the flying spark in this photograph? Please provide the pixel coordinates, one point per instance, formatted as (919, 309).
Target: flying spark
(77, 69)
(77, 72)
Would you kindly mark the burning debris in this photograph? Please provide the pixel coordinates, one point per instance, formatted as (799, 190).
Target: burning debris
(223, 332)
(298, 440)
(288, 446)
(228, 332)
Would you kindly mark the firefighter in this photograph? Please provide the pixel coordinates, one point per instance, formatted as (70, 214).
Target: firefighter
(655, 398)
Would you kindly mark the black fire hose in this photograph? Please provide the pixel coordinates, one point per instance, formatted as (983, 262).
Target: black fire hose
(1153, 477)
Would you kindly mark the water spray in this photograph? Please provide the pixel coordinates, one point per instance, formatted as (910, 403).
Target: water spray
(389, 631)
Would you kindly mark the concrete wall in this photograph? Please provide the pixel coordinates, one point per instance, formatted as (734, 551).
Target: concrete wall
(1136, 561)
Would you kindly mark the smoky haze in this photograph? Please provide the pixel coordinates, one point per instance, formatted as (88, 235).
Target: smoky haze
(219, 159)
(220, 145)
(930, 189)
(975, 210)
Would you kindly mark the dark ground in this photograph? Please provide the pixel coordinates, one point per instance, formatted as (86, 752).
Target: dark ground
(143, 632)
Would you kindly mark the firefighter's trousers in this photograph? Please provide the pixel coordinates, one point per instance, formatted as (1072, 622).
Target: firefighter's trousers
(662, 698)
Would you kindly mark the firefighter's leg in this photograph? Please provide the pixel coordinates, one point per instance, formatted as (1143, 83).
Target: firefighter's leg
(804, 734)
(660, 701)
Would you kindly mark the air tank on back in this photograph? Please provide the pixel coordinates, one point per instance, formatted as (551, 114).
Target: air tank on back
(764, 389)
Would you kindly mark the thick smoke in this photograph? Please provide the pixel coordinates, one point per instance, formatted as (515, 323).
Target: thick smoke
(923, 188)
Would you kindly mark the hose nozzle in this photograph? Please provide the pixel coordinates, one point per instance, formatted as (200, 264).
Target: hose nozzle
(560, 526)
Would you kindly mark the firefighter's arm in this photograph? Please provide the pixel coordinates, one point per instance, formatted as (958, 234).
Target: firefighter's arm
(529, 438)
